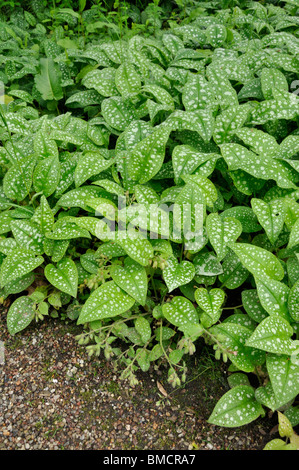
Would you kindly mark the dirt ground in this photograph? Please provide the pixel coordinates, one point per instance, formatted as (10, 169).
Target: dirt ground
(53, 396)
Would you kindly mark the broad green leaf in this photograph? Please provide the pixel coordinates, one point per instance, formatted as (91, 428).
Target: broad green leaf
(28, 235)
(18, 263)
(103, 81)
(272, 78)
(237, 407)
(117, 113)
(138, 248)
(64, 276)
(206, 264)
(258, 141)
(234, 273)
(265, 395)
(273, 296)
(187, 160)
(216, 34)
(285, 428)
(284, 376)
(224, 92)
(132, 278)
(262, 167)
(18, 179)
(20, 314)
(258, 261)
(197, 93)
(210, 302)
(46, 176)
(90, 164)
(144, 329)
(48, 82)
(200, 121)
(44, 216)
(64, 230)
(279, 444)
(89, 263)
(127, 80)
(44, 147)
(206, 186)
(273, 334)
(106, 301)
(271, 215)
(284, 106)
(177, 274)
(221, 233)
(180, 312)
(147, 157)
(19, 285)
(252, 305)
(229, 121)
(245, 215)
(233, 337)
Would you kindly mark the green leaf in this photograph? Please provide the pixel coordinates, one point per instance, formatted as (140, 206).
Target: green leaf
(284, 376)
(18, 263)
(222, 232)
(20, 314)
(48, 82)
(234, 273)
(106, 301)
(143, 328)
(229, 121)
(272, 78)
(44, 216)
(117, 113)
(294, 235)
(271, 215)
(285, 428)
(28, 235)
(293, 302)
(237, 379)
(216, 34)
(177, 274)
(237, 407)
(252, 305)
(273, 334)
(265, 396)
(44, 147)
(139, 249)
(210, 302)
(197, 93)
(233, 337)
(206, 264)
(90, 164)
(64, 276)
(273, 296)
(132, 279)
(147, 157)
(127, 80)
(46, 176)
(187, 160)
(18, 179)
(180, 312)
(258, 261)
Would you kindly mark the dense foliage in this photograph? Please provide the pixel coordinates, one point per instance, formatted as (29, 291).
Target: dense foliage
(189, 106)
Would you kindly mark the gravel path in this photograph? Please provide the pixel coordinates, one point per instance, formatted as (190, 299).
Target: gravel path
(52, 396)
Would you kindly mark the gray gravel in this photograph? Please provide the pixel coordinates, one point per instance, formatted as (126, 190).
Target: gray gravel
(53, 396)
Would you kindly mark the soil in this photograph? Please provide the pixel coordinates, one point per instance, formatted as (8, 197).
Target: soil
(53, 396)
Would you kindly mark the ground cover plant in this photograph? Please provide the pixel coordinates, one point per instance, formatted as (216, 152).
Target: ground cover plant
(188, 111)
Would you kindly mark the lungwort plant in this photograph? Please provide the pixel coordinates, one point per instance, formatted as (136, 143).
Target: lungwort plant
(150, 185)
